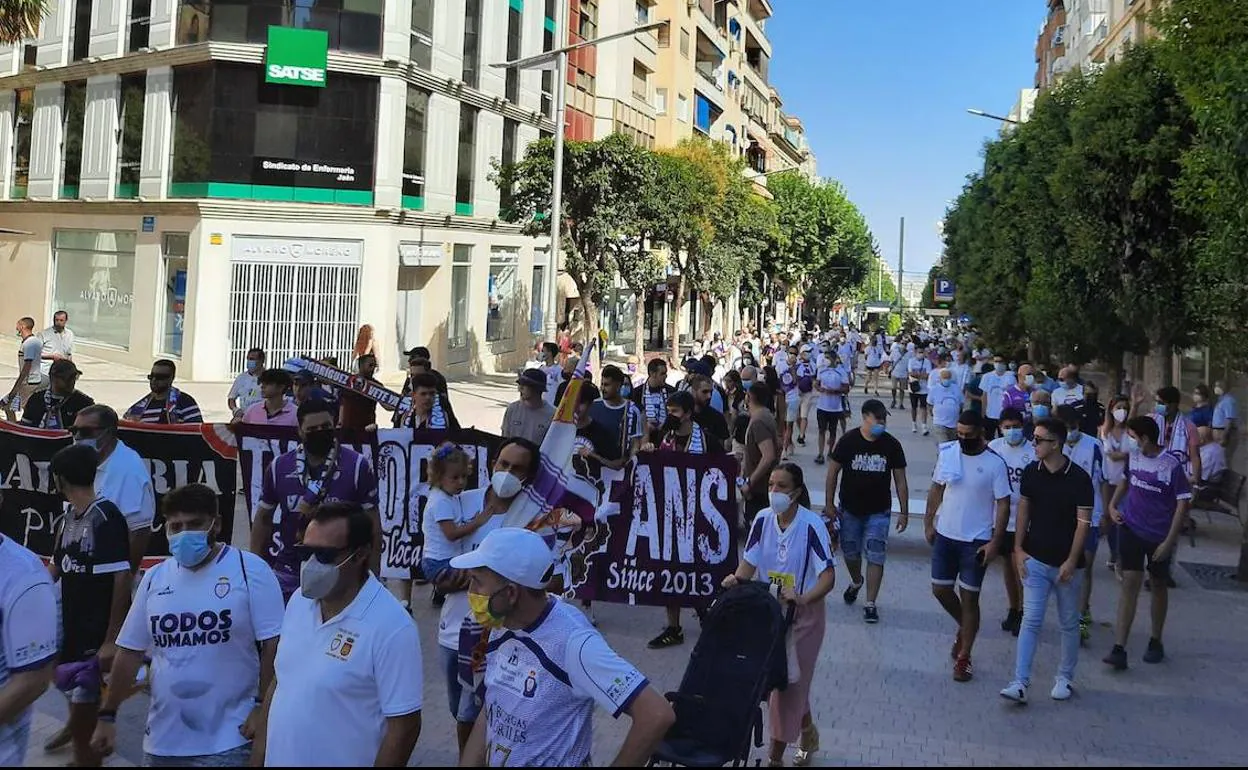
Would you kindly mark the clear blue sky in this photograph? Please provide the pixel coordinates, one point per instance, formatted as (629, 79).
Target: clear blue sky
(882, 87)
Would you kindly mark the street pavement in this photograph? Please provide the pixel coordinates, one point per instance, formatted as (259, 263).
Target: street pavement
(884, 694)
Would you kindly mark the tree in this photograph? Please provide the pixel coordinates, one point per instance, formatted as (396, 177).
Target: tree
(19, 19)
(600, 206)
(746, 233)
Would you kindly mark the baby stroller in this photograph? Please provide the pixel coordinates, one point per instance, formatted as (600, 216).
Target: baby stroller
(738, 660)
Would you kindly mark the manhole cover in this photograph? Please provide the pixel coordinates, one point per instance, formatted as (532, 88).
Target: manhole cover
(1214, 577)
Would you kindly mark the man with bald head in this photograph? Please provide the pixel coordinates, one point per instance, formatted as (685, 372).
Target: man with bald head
(1018, 396)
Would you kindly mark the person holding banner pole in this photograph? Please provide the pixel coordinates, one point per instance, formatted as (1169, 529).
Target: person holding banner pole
(320, 470)
(789, 548)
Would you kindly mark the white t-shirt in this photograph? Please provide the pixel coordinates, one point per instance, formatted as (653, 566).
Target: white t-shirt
(961, 374)
(54, 342)
(793, 557)
(1088, 454)
(441, 507)
(125, 481)
(831, 379)
(945, 400)
(28, 631)
(993, 385)
(1016, 458)
(919, 368)
(554, 376)
(875, 356)
(541, 686)
(970, 502)
(246, 389)
(1064, 395)
(349, 673)
(201, 627)
(31, 350)
(1114, 469)
(455, 609)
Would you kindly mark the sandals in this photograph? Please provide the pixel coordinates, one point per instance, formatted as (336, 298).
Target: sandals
(807, 747)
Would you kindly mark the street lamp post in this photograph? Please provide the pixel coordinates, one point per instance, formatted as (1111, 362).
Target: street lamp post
(990, 116)
(559, 59)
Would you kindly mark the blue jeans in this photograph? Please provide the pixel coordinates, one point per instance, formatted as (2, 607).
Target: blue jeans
(867, 534)
(1042, 580)
(238, 757)
(463, 703)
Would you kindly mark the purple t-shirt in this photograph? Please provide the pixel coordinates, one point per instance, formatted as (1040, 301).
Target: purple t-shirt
(353, 481)
(1017, 398)
(1155, 486)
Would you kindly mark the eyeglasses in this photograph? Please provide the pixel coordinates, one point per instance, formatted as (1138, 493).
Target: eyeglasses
(323, 554)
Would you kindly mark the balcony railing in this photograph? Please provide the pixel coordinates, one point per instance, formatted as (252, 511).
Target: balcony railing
(712, 75)
(235, 22)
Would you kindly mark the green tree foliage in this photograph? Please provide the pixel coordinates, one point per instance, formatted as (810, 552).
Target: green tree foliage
(19, 19)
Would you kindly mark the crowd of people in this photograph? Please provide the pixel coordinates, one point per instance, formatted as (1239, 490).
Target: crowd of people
(238, 648)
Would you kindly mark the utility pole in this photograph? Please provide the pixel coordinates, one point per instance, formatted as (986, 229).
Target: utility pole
(901, 261)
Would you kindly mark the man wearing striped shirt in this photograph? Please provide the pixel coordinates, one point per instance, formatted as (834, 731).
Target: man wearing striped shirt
(165, 404)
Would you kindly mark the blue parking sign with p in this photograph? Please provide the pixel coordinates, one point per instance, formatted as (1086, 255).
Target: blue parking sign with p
(942, 290)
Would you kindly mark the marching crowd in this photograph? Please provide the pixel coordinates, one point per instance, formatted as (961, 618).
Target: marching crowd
(242, 650)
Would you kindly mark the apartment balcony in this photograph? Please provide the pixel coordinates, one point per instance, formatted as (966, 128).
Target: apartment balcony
(706, 113)
(757, 56)
(755, 27)
(714, 30)
(708, 63)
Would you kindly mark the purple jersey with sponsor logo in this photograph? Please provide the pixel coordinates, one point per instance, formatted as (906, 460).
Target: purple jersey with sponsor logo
(353, 481)
(1155, 486)
(1017, 398)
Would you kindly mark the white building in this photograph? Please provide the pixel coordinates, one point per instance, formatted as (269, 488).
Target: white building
(180, 205)
(1087, 25)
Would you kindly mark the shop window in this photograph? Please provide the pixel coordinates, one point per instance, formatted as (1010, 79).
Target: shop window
(130, 121)
(140, 25)
(237, 137)
(414, 128)
(422, 34)
(503, 293)
(71, 154)
(352, 25)
(177, 254)
(22, 120)
(461, 274)
(93, 280)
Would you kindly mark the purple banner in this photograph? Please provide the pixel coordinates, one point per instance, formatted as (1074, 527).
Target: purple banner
(673, 540)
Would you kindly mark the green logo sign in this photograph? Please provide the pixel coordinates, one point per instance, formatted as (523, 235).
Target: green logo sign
(296, 57)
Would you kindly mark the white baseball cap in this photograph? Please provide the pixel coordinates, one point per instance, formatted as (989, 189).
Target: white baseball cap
(518, 555)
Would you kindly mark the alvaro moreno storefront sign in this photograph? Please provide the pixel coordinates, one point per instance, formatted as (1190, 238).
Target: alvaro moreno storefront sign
(296, 57)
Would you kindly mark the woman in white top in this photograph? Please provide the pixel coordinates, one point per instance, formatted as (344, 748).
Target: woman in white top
(1117, 446)
(875, 359)
(789, 547)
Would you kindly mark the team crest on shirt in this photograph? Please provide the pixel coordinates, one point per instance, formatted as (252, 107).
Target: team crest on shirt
(530, 684)
(222, 588)
(341, 645)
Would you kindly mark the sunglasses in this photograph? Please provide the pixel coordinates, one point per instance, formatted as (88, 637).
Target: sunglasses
(324, 555)
(1045, 440)
(85, 432)
(159, 377)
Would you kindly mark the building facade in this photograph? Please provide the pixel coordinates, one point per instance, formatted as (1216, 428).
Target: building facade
(1051, 61)
(197, 178)
(1126, 22)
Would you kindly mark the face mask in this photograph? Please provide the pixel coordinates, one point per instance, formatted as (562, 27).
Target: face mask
(878, 429)
(1069, 385)
(1160, 408)
(779, 501)
(252, 366)
(1014, 436)
(317, 580)
(671, 423)
(970, 446)
(1197, 399)
(1120, 415)
(94, 443)
(505, 485)
(1131, 445)
(190, 548)
(945, 380)
(319, 442)
(1040, 411)
(1072, 436)
(479, 604)
(626, 390)
(1217, 391)
(1029, 380)
(999, 368)
(747, 384)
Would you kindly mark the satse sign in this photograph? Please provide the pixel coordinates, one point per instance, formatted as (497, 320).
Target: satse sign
(296, 57)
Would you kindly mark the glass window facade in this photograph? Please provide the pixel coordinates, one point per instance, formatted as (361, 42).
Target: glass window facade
(457, 333)
(511, 138)
(23, 118)
(139, 33)
(422, 33)
(93, 280)
(352, 25)
(80, 30)
(177, 254)
(503, 297)
(414, 129)
(75, 113)
(467, 158)
(130, 156)
(472, 42)
(233, 130)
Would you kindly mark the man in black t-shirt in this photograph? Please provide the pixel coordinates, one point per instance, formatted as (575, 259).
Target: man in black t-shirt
(1054, 515)
(865, 461)
(91, 559)
(56, 406)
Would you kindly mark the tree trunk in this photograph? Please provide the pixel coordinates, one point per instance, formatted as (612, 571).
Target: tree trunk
(639, 335)
(1158, 368)
(590, 309)
(678, 301)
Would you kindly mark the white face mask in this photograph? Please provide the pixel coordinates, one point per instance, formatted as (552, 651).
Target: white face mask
(317, 580)
(1120, 415)
(505, 485)
(779, 501)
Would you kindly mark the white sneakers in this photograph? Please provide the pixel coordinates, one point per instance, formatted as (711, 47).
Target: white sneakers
(1063, 688)
(914, 427)
(1017, 691)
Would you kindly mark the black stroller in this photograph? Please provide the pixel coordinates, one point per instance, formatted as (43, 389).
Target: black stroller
(738, 660)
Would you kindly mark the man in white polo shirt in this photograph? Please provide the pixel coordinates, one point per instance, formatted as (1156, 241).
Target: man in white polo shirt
(547, 667)
(122, 477)
(348, 661)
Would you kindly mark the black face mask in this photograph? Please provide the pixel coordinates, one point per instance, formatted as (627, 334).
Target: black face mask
(319, 442)
(671, 423)
(971, 446)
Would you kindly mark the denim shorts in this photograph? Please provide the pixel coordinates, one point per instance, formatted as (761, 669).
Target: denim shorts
(955, 561)
(463, 703)
(869, 531)
(432, 569)
(236, 757)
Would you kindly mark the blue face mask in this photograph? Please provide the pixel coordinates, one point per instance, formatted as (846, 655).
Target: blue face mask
(747, 384)
(190, 548)
(252, 366)
(1040, 411)
(1014, 436)
(878, 429)
(1000, 368)
(1160, 408)
(94, 443)
(626, 390)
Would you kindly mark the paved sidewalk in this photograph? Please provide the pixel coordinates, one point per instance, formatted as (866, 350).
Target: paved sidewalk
(884, 694)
